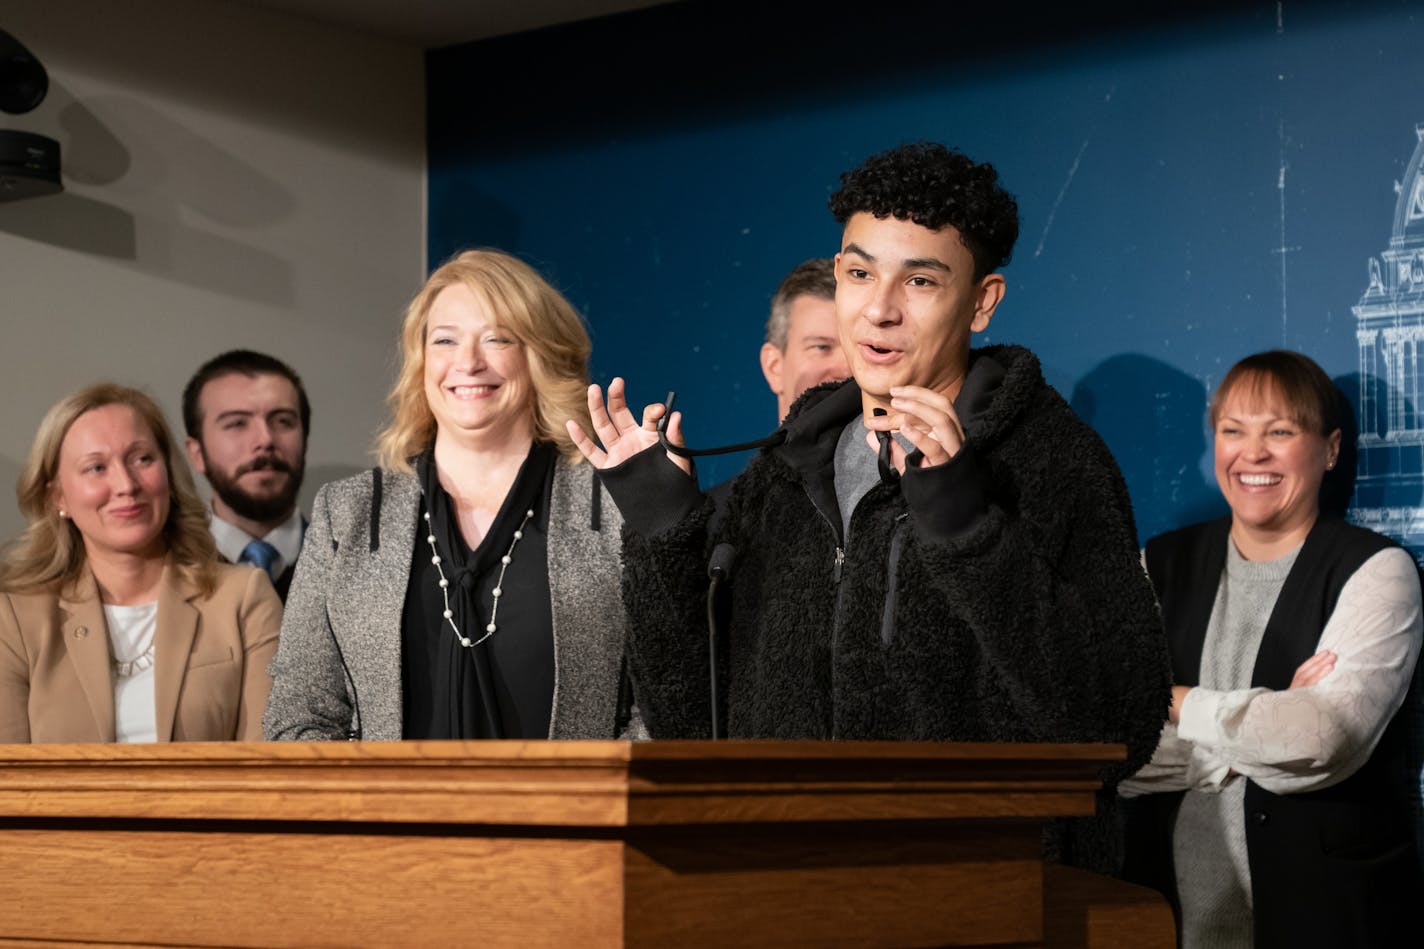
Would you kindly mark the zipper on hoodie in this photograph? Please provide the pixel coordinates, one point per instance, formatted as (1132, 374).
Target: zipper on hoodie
(892, 580)
(839, 562)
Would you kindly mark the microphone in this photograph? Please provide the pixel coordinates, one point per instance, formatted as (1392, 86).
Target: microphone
(353, 729)
(775, 438)
(887, 467)
(719, 568)
(888, 474)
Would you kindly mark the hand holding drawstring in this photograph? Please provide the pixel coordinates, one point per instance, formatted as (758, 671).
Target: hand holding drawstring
(926, 418)
(620, 434)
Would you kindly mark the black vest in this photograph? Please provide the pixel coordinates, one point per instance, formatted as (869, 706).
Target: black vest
(1334, 867)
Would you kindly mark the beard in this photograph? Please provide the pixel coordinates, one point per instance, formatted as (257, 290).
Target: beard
(253, 508)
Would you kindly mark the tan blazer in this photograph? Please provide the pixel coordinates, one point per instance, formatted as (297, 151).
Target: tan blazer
(210, 661)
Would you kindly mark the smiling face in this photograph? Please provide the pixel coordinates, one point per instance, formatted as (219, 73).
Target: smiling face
(906, 303)
(476, 374)
(112, 481)
(1269, 468)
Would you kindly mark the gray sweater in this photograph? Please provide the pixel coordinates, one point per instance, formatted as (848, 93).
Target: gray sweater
(344, 610)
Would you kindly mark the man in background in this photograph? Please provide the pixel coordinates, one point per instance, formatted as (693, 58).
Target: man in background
(803, 347)
(247, 418)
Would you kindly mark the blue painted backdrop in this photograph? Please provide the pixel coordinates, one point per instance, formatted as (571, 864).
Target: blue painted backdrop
(1195, 184)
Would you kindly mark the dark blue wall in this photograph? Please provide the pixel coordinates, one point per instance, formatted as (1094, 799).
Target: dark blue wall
(1195, 184)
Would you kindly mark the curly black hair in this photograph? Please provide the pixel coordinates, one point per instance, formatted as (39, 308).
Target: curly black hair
(935, 186)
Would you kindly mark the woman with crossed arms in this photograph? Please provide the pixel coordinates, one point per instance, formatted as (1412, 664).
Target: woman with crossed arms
(1274, 811)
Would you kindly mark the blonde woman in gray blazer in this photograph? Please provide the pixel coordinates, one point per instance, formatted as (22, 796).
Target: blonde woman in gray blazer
(468, 587)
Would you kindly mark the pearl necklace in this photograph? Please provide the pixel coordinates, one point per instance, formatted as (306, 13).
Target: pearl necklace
(497, 592)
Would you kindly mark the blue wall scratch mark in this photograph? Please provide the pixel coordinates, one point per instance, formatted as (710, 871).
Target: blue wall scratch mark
(1062, 192)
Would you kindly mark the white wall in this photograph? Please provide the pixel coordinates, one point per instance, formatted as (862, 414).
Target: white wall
(234, 177)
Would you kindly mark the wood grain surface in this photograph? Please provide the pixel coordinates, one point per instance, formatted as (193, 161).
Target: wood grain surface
(679, 844)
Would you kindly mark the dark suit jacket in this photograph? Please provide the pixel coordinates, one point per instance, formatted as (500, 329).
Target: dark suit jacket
(284, 582)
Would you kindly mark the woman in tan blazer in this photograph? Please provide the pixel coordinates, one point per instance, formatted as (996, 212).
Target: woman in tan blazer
(117, 620)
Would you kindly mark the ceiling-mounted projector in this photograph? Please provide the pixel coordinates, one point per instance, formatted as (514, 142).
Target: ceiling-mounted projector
(29, 163)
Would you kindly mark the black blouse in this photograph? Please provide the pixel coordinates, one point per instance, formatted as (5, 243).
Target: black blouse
(503, 687)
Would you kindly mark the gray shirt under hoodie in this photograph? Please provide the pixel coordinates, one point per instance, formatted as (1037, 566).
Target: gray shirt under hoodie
(1209, 838)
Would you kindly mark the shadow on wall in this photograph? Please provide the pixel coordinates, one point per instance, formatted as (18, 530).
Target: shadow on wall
(159, 174)
(499, 224)
(73, 223)
(1337, 491)
(1152, 417)
(91, 155)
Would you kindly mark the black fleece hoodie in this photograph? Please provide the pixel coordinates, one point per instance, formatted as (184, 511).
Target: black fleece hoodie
(997, 597)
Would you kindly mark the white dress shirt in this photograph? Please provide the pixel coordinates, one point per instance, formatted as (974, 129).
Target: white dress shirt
(286, 538)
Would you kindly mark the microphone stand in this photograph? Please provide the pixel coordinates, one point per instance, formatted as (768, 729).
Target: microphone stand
(722, 556)
(712, 646)
(718, 569)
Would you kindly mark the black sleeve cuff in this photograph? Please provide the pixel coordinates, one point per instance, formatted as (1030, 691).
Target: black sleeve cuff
(947, 500)
(652, 493)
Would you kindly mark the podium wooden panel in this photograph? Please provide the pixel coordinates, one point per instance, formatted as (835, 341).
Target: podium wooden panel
(679, 844)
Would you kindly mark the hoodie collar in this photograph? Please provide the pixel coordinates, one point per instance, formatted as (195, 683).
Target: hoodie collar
(816, 419)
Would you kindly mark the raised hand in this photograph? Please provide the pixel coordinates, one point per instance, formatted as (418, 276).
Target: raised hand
(926, 418)
(620, 435)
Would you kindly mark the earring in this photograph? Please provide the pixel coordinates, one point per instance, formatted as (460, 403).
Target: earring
(62, 514)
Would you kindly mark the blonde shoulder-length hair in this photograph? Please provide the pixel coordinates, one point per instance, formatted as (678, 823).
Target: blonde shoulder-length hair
(525, 306)
(49, 555)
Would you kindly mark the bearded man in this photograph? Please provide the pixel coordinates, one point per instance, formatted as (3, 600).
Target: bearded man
(247, 419)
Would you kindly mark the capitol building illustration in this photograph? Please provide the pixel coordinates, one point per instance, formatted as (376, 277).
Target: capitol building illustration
(1389, 486)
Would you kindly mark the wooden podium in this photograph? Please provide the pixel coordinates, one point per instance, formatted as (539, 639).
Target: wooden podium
(664, 843)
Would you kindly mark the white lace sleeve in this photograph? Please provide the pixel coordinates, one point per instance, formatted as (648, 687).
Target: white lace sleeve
(1176, 764)
(1305, 739)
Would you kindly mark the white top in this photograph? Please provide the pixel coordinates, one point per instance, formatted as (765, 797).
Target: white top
(131, 633)
(286, 537)
(1304, 739)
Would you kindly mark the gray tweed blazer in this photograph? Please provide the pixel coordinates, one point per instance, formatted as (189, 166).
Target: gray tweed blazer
(346, 601)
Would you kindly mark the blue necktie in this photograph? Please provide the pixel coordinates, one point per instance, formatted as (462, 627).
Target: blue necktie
(260, 554)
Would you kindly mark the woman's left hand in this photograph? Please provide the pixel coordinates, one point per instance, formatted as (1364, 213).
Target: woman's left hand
(1309, 673)
(1179, 695)
(927, 419)
(1314, 669)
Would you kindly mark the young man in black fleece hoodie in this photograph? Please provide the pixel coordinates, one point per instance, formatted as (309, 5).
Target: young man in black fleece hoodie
(938, 549)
